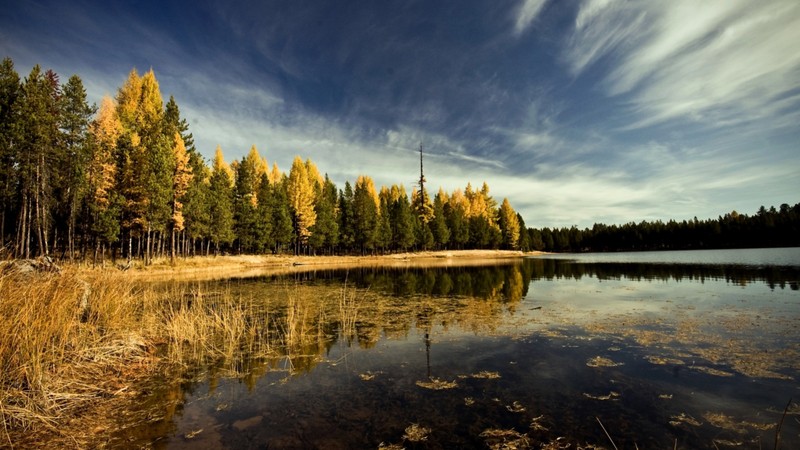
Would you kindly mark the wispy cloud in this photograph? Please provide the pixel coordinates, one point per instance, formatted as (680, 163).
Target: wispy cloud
(718, 62)
(526, 13)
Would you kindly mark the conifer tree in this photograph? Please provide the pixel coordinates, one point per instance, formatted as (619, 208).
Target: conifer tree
(365, 213)
(509, 226)
(301, 189)
(264, 215)
(221, 202)
(35, 160)
(104, 202)
(325, 231)
(441, 233)
(73, 157)
(347, 233)
(456, 212)
(246, 200)
(402, 220)
(282, 227)
(182, 176)
(10, 90)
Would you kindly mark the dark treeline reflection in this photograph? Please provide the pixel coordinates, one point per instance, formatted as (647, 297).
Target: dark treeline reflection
(510, 282)
(773, 276)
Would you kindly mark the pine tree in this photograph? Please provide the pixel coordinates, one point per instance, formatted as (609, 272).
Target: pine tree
(441, 233)
(347, 233)
(246, 200)
(221, 202)
(264, 215)
(456, 212)
(282, 227)
(325, 231)
(402, 220)
(35, 160)
(10, 90)
(73, 157)
(365, 213)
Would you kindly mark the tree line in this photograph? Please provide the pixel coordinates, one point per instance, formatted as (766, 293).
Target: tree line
(767, 228)
(125, 180)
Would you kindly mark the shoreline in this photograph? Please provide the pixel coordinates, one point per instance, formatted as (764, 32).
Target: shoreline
(242, 266)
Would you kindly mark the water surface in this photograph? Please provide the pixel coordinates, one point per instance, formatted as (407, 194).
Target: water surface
(692, 350)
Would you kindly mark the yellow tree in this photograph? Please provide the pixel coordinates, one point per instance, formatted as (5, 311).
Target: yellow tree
(509, 226)
(105, 130)
(301, 199)
(182, 176)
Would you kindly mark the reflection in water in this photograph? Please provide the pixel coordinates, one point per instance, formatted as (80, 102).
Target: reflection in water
(707, 359)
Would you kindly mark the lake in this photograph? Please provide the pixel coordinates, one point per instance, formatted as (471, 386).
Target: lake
(688, 350)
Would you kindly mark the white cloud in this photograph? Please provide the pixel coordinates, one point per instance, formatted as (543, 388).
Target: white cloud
(719, 62)
(526, 13)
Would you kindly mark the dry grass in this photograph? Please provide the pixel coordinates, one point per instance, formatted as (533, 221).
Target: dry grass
(63, 365)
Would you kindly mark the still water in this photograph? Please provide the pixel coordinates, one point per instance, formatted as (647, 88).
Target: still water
(656, 350)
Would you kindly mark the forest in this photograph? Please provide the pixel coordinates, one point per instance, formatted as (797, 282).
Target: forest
(124, 180)
(767, 228)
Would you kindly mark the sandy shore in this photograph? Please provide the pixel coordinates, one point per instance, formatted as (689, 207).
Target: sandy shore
(255, 265)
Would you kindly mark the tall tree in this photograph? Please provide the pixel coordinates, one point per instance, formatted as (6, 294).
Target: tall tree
(509, 226)
(365, 213)
(182, 176)
(35, 160)
(282, 227)
(441, 233)
(347, 232)
(9, 111)
(221, 202)
(402, 220)
(104, 202)
(325, 231)
(302, 195)
(246, 200)
(75, 115)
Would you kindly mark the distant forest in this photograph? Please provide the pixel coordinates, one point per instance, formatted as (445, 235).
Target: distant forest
(767, 228)
(124, 180)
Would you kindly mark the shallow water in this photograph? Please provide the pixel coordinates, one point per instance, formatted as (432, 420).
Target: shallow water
(546, 351)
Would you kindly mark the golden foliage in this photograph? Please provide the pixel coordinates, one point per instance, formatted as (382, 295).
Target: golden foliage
(302, 196)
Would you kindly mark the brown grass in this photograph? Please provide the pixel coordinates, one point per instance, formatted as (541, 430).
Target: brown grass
(61, 363)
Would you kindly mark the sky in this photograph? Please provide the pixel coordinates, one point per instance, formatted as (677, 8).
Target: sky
(579, 112)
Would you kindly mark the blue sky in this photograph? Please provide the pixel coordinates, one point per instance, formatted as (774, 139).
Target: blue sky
(577, 111)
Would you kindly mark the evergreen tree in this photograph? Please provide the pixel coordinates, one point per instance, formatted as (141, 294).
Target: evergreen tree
(325, 231)
(72, 157)
(246, 200)
(456, 213)
(402, 220)
(35, 160)
(347, 233)
(441, 233)
(10, 90)
(264, 215)
(282, 228)
(365, 213)
(221, 202)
